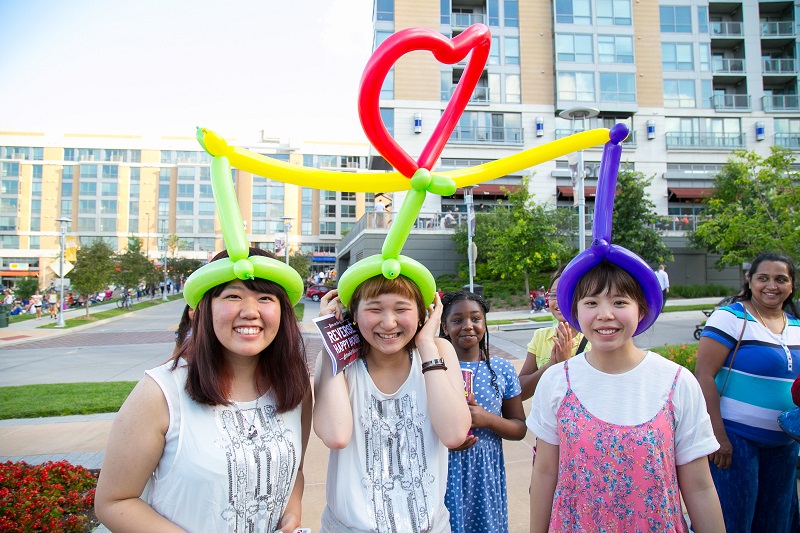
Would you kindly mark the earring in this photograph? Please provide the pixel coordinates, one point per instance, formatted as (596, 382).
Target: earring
(355, 323)
(419, 323)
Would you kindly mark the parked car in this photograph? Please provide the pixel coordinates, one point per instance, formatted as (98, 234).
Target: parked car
(315, 292)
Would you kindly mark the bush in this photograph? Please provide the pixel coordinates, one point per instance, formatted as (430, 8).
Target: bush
(700, 291)
(48, 497)
(684, 354)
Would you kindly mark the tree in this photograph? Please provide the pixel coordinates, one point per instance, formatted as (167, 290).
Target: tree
(633, 221)
(174, 244)
(182, 267)
(753, 209)
(133, 265)
(519, 239)
(94, 269)
(25, 287)
(301, 263)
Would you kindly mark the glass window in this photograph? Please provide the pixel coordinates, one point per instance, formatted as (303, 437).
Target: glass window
(88, 188)
(66, 207)
(348, 197)
(494, 12)
(705, 57)
(384, 10)
(184, 225)
(36, 188)
(34, 242)
(205, 173)
(573, 12)
(387, 89)
(494, 51)
(163, 191)
(110, 171)
(328, 196)
(87, 207)
(163, 209)
(706, 94)
(328, 211)
(577, 86)
(133, 209)
(348, 211)
(205, 244)
(205, 208)
(259, 211)
(136, 156)
(614, 12)
(307, 195)
(35, 223)
(89, 171)
(184, 208)
(186, 190)
(87, 224)
(702, 19)
(574, 48)
(135, 173)
(511, 51)
(164, 175)
(68, 172)
(66, 189)
(134, 191)
(676, 19)
(9, 241)
(108, 207)
(513, 91)
(677, 56)
(615, 49)
(387, 116)
(205, 225)
(511, 13)
(163, 225)
(8, 205)
(327, 228)
(186, 173)
(9, 170)
(38, 154)
(617, 87)
(109, 189)
(258, 227)
(276, 191)
(8, 223)
(9, 187)
(37, 171)
(206, 191)
(36, 207)
(444, 12)
(679, 93)
(108, 224)
(69, 154)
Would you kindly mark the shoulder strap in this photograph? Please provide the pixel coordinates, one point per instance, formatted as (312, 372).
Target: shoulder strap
(582, 345)
(735, 349)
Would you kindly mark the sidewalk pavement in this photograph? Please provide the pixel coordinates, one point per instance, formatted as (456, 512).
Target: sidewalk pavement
(82, 440)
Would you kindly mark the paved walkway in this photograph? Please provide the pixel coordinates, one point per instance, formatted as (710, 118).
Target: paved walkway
(82, 439)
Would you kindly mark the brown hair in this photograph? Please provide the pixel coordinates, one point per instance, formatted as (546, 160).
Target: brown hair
(377, 285)
(603, 278)
(282, 364)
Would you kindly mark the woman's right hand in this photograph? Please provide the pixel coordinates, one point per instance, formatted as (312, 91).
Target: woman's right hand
(722, 458)
(330, 303)
(562, 343)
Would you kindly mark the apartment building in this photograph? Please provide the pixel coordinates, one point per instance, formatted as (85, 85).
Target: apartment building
(113, 187)
(692, 79)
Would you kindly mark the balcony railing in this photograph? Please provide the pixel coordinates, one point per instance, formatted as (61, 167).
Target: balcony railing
(483, 135)
(777, 29)
(710, 141)
(781, 102)
(779, 66)
(788, 140)
(479, 96)
(630, 140)
(726, 29)
(731, 102)
(465, 20)
(723, 66)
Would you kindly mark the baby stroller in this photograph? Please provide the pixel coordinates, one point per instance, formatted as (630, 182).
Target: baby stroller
(698, 329)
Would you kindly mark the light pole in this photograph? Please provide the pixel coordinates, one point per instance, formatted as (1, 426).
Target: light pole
(63, 221)
(147, 237)
(578, 176)
(470, 234)
(287, 226)
(164, 292)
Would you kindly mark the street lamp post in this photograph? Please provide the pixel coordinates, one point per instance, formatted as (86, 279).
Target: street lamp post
(147, 237)
(164, 294)
(470, 234)
(287, 226)
(63, 221)
(573, 114)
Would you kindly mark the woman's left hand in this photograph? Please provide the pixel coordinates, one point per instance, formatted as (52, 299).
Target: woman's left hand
(289, 522)
(430, 326)
(480, 417)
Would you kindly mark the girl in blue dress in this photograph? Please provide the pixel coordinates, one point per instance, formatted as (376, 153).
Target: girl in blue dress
(476, 479)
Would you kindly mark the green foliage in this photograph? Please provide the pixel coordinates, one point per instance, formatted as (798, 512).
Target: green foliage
(133, 265)
(301, 263)
(700, 291)
(174, 244)
(182, 267)
(684, 354)
(634, 218)
(94, 269)
(33, 401)
(25, 287)
(754, 208)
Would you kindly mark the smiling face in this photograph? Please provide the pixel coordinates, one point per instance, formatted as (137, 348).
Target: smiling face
(387, 322)
(552, 302)
(465, 325)
(771, 284)
(608, 320)
(245, 321)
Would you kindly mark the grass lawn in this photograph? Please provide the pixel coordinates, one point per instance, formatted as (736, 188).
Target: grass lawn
(61, 399)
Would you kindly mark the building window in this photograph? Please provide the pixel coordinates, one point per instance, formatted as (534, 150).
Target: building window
(186, 173)
(614, 49)
(184, 208)
(494, 51)
(9, 170)
(34, 242)
(387, 116)
(8, 223)
(108, 189)
(387, 89)
(68, 172)
(705, 57)
(108, 207)
(511, 13)
(38, 154)
(204, 208)
(617, 87)
(702, 19)
(36, 188)
(8, 205)
(206, 191)
(163, 225)
(384, 10)
(66, 208)
(574, 12)
(37, 171)
(164, 175)
(89, 171)
(205, 244)
(87, 207)
(88, 188)
(205, 225)
(576, 48)
(679, 93)
(511, 50)
(614, 12)
(513, 92)
(186, 190)
(348, 211)
(163, 191)
(577, 86)
(110, 172)
(328, 211)
(327, 228)
(348, 197)
(184, 225)
(87, 224)
(676, 56)
(706, 94)
(676, 19)
(163, 209)
(135, 173)
(328, 196)
(108, 224)
(9, 187)
(9, 242)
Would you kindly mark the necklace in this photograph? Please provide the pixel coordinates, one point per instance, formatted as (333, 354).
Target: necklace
(763, 322)
(252, 432)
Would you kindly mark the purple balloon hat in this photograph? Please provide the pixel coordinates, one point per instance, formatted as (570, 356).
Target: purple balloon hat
(602, 248)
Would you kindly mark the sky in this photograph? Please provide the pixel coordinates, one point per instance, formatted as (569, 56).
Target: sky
(162, 67)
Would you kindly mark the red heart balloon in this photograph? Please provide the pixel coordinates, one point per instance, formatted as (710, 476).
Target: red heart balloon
(476, 39)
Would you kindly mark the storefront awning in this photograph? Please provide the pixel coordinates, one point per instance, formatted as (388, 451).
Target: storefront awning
(18, 273)
(565, 191)
(683, 193)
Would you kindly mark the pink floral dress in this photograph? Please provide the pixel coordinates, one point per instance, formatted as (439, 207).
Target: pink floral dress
(616, 478)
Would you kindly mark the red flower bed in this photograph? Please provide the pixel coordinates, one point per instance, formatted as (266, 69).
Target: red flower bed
(48, 497)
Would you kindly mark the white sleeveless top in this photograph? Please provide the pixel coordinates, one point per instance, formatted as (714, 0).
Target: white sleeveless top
(392, 476)
(211, 476)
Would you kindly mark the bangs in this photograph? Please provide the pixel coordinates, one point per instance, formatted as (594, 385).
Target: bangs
(378, 285)
(255, 284)
(607, 277)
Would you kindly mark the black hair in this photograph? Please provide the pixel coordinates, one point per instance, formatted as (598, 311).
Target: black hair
(746, 293)
(448, 301)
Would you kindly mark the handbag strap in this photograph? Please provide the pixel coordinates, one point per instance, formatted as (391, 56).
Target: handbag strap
(736, 349)
(582, 345)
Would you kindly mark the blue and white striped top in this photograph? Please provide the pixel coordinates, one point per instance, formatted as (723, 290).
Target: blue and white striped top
(759, 386)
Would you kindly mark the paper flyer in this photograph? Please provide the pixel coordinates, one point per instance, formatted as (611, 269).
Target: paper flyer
(341, 340)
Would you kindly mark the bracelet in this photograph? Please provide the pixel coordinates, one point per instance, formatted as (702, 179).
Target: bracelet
(434, 364)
